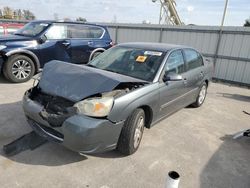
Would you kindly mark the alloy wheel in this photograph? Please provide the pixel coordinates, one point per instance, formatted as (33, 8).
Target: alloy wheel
(138, 131)
(21, 69)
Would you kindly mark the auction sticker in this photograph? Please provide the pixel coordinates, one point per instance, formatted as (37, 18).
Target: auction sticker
(141, 59)
(153, 53)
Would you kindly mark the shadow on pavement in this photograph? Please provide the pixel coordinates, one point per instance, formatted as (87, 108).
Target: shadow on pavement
(229, 166)
(3, 80)
(238, 97)
(13, 125)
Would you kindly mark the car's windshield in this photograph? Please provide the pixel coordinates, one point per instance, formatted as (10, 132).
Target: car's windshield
(137, 63)
(32, 29)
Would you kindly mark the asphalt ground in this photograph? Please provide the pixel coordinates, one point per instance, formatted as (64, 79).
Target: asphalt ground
(195, 142)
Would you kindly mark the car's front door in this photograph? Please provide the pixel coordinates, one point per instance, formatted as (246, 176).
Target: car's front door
(57, 44)
(172, 93)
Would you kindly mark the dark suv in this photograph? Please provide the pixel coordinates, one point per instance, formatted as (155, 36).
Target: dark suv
(27, 50)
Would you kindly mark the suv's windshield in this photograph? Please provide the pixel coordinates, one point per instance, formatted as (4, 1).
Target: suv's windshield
(32, 29)
(137, 63)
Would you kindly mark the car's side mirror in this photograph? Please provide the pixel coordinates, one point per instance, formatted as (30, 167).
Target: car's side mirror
(42, 39)
(171, 76)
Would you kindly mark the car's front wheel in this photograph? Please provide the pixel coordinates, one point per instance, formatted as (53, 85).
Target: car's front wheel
(19, 68)
(132, 132)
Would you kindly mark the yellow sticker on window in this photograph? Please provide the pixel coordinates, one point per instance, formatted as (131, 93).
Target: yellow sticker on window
(141, 59)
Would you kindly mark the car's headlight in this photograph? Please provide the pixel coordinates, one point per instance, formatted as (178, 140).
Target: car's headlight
(95, 107)
(2, 47)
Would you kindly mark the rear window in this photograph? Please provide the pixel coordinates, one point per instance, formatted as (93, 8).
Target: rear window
(193, 59)
(79, 31)
(96, 32)
(84, 31)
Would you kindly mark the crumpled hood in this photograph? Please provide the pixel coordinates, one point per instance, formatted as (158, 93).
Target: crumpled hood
(76, 82)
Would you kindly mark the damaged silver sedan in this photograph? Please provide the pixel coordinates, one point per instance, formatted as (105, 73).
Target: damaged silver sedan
(106, 104)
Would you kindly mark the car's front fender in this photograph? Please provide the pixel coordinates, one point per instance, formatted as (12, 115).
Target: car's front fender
(126, 104)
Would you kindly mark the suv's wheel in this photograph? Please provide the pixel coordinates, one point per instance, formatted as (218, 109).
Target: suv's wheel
(201, 97)
(19, 68)
(132, 132)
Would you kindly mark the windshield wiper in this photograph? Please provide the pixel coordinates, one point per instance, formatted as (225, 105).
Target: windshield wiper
(89, 65)
(19, 34)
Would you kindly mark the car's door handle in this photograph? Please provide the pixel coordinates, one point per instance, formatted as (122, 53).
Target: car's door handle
(66, 43)
(90, 43)
(185, 81)
(201, 74)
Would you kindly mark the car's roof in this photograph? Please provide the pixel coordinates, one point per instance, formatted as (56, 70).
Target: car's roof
(67, 22)
(164, 47)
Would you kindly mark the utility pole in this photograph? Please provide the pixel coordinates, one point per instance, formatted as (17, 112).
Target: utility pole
(224, 14)
(220, 33)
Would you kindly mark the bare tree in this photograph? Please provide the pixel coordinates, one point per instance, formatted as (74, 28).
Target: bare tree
(247, 23)
(7, 12)
(80, 19)
(19, 14)
(28, 15)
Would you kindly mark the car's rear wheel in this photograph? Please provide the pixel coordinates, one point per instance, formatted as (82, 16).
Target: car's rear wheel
(201, 96)
(19, 68)
(131, 133)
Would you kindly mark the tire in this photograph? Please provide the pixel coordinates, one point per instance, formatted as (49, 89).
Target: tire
(131, 133)
(19, 68)
(201, 96)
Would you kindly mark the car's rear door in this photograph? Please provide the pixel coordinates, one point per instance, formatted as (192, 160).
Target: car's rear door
(172, 92)
(79, 39)
(84, 39)
(57, 44)
(194, 74)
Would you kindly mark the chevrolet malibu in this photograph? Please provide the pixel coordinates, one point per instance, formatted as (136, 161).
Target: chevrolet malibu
(106, 104)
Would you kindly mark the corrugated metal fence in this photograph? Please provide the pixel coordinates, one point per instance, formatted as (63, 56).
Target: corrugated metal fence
(229, 48)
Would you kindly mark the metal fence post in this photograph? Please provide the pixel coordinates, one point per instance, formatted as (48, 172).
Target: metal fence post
(116, 34)
(160, 36)
(217, 47)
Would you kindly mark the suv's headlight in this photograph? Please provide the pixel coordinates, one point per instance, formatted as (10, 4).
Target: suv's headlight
(2, 47)
(96, 107)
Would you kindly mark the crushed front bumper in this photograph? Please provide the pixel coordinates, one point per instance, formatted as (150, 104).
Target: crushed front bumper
(79, 133)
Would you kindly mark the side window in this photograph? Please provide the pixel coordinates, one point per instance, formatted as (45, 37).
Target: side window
(57, 32)
(193, 59)
(79, 31)
(175, 63)
(96, 32)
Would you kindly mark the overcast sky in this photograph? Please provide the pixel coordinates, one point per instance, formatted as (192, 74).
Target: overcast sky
(200, 12)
